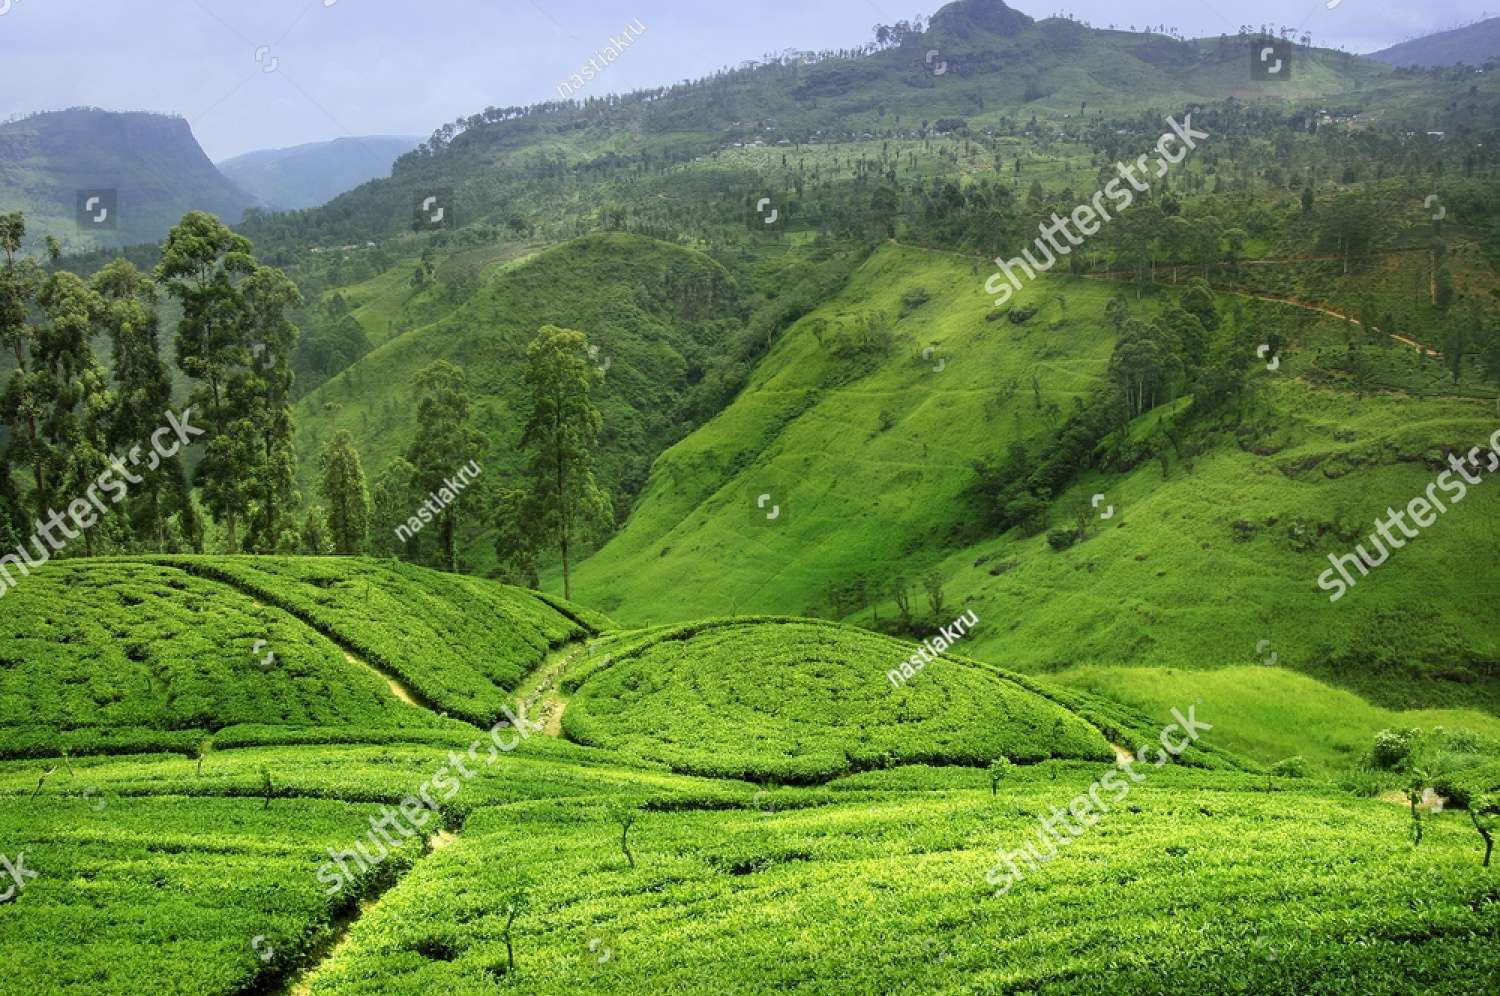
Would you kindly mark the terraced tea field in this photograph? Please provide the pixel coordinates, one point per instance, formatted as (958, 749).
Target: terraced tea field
(656, 839)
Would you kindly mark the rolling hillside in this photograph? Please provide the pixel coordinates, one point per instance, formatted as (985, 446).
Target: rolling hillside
(141, 654)
(1000, 68)
(1258, 503)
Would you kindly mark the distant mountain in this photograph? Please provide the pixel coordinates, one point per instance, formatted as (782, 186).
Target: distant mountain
(979, 65)
(136, 174)
(306, 176)
(1472, 45)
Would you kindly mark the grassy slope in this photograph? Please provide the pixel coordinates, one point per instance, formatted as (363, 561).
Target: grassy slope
(807, 431)
(1149, 583)
(1269, 712)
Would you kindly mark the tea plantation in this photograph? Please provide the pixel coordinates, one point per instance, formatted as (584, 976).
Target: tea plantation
(734, 805)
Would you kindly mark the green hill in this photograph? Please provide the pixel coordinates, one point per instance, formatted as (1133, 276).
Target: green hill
(532, 168)
(1471, 45)
(156, 654)
(655, 313)
(149, 167)
(1256, 501)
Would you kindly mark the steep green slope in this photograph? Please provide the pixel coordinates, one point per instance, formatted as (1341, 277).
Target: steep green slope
(1231, 542)
(842, 435)
(654, 312)
(151, 163)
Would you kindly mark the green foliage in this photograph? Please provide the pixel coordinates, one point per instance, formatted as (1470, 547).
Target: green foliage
(561, 505)
(802, 702)
(342, 486)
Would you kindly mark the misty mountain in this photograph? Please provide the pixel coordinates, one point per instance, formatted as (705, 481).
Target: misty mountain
(306, 176)
(1471, 45)
(136, 173)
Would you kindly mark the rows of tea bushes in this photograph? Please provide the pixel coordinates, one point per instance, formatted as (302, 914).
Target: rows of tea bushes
(459, 643)
(540, 769)
(1198, 882)
(801, 702)
(169, 895)
(133, 656)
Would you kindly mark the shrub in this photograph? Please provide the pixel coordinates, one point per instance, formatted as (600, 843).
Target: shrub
(1062, 539)
(1392, 748)
(1292, 767)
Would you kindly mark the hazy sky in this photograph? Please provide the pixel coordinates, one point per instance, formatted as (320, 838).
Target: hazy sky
(361, 67)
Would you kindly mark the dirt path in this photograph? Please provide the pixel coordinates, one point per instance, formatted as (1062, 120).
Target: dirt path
(1306, 306)
(540, 692)
(300, 983)
(397, 689)
(1118, 274)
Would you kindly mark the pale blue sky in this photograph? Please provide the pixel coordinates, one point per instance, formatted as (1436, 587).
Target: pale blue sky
(401, 67)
